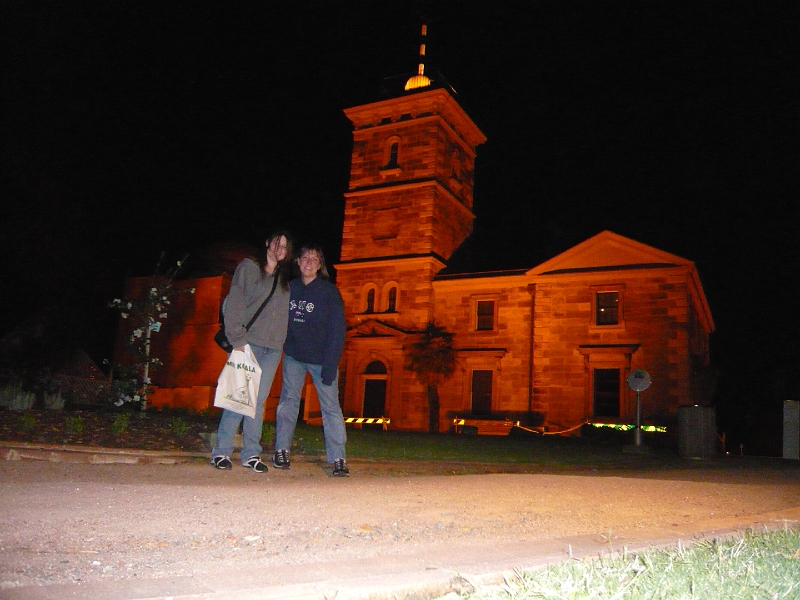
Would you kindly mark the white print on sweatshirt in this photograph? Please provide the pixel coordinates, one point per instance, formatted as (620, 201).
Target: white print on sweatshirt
(299, 308)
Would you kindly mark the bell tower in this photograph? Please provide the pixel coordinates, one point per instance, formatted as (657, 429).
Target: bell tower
(409, 203)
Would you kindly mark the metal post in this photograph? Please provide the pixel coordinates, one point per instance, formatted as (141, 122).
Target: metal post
(638, 420)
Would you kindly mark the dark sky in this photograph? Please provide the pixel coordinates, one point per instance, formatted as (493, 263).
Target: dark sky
(130, 128)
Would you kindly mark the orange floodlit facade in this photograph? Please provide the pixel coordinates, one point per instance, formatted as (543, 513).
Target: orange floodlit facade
(551, 345)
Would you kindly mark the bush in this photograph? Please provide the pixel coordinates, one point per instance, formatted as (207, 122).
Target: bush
(179, 426)
(23, 401)
(121, 422)
(27, 422)
(73, 424)
(53, 401)
(15, 398)
(8, 393)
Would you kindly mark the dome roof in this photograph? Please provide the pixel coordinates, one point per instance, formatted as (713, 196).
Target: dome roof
(417, 81)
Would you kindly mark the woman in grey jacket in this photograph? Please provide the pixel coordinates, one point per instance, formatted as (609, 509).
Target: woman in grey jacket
(252, 282)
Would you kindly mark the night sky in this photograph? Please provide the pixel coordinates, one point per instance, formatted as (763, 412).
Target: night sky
(132, 128)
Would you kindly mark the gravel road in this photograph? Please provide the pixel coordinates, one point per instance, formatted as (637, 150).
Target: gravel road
(75, 522)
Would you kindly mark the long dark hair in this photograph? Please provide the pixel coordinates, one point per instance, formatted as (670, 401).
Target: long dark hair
(284, 268)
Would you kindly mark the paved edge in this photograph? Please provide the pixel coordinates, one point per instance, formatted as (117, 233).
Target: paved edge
(93, 454)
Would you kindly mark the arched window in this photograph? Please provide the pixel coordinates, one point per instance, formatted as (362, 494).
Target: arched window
(376, 367)
(391, 300)
(455, 165)
(370, 304)
(392, 153)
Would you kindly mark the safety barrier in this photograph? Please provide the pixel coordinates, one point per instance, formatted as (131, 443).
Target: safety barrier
(485, 426)
(384, 421)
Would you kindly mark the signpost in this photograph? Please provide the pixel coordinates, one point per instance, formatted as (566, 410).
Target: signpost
(638, 381)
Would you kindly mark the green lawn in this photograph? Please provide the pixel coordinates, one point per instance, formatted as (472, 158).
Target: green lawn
(759, 565)
(597, 451)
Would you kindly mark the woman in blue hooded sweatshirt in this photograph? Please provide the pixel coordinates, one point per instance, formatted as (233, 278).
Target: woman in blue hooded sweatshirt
(314, 343)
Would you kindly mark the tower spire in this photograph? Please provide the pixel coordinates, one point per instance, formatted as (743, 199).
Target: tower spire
(420, 80)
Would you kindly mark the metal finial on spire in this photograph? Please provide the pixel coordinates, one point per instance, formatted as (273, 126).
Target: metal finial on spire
(420, 80)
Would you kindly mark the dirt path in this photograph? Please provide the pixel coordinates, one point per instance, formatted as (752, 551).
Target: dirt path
(71, 522)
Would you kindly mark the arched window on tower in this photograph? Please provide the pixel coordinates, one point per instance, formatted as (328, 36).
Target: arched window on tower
(370, 301)
(391, 154)
(455, 165)
(391, 300)
(393, 148)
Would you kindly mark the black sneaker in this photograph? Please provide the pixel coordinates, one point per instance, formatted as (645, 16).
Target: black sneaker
(255, 463)
(340, 468)
(221, 462)
(280, 460)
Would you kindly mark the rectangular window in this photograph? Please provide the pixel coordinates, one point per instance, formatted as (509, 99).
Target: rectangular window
(606, 308)
(481, 393)
(606, 392)
(485, 320)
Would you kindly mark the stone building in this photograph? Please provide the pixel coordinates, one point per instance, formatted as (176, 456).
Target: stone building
(551, 345)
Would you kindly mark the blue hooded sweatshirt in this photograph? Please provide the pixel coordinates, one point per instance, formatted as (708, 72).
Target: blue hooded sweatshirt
(316, 325)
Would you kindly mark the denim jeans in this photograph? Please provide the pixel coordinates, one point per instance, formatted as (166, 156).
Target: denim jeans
(268, 359)
(294, 375)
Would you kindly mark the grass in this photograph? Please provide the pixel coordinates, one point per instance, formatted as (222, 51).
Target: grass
(545, 451)
(73, 424)
(759, 565)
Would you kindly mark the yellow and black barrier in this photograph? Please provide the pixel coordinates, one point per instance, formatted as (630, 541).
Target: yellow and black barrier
(369, 421)
(485, 426)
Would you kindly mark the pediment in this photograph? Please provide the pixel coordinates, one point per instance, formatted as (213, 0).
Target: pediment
(608, 250)
(374, 329)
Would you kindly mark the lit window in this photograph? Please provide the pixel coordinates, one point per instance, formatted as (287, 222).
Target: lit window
(485, 315)
(606, 308)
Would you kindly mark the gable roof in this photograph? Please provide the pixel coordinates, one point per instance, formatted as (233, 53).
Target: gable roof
(608, 251)
(373, 328)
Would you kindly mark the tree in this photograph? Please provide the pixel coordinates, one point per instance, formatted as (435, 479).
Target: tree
(145, 316)
(433, 359)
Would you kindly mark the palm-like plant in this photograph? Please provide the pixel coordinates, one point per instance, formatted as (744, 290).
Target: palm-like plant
(433, 359)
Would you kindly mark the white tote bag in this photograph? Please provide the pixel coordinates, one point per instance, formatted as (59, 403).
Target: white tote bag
(237, 386)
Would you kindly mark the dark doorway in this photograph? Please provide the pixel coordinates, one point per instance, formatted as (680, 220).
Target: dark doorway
(606, 392)
(374, 391)
(374, 397)
(482, 392)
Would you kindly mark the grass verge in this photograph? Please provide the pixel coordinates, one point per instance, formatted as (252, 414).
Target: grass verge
(758, 565)
(544, 452)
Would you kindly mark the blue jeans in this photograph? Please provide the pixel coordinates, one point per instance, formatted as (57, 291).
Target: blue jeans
(294, 375)
(268, 359)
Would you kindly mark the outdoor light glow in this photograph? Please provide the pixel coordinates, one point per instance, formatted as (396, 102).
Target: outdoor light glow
(626, 427)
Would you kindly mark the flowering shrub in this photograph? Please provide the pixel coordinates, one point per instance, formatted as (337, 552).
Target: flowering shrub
(145, 316)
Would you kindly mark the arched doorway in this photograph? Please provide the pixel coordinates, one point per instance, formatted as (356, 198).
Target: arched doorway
(375, 376)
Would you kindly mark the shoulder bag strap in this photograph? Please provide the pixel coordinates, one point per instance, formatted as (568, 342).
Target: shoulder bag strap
(263, 304)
